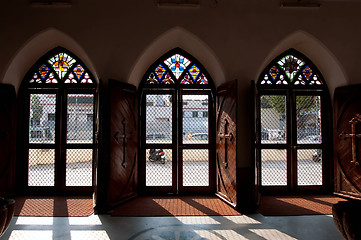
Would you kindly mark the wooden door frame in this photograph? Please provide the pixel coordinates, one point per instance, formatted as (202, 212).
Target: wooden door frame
(143, 146)
(177, 145)
(291, 145)
(59, 146)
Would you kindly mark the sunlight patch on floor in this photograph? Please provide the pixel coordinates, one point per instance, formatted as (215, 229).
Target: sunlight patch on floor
(197, 220)
(272, 234)
(35, 221)
(31, 234)
(92, 220)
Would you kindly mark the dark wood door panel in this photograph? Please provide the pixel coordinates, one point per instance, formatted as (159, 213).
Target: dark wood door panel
(7, 138)
(226, 142)
(123, 143)
(347, 133)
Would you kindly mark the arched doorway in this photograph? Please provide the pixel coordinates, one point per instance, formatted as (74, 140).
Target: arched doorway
(177, 126)
(293, 126)
(57, 126)
(176, 111)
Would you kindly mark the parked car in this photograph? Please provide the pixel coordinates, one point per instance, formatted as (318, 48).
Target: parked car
(316, 156)
(200, 136)
(312, 139)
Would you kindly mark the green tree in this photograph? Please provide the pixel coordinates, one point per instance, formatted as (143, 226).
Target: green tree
(278, 103)
(36, 107)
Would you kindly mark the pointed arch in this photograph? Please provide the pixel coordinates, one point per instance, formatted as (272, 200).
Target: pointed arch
(178, 37)
(317, 52)
(36, 47)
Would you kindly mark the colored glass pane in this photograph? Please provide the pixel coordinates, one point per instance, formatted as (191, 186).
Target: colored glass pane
(78, 71)
(202, 79)
(71, 79)
(86, 79)
(159, 71)
(291, 65)
(167, 79)
(282, 80)
(43, 70)
(187, 80)
(35, 79)
(61, 62)
(315, 80)
(273, 72)
(265, 80)
(177, 64)
(194, 71)
(300, 81)
(151, 79)
(51, 79)
(307, 72)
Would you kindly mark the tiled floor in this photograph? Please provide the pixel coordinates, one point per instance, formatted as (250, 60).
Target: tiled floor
(253, 226)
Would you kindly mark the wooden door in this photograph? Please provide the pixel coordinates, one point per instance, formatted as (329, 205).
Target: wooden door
(226, 139)
(347, 142)
(7, 138)
(123, 142)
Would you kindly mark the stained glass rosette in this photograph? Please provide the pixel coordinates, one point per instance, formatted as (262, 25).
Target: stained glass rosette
(187, 80)
(167, 79)
(159, 71)
(177, 64)
(291, 65)
(202, 79)
(61, 62)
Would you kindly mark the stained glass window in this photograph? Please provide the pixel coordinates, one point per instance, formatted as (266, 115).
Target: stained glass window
(291, 69)
(176, 68)
(59, 66)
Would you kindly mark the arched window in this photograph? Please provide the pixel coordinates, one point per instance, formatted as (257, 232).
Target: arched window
(176, 105)
(58, 122)
(293, 125)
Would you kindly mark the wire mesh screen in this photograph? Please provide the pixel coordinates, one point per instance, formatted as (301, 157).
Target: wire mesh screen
(42, 118)
(308, 119)
(80, 118)
(79, 167)
(41, 167)
(195, 167)
(309, 167)
(159, 118)
(195, 119)
(158, 167)
(274, 167)
(273, 119)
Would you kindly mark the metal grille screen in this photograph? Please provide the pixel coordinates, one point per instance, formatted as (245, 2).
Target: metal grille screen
(308, 119)
(158, 173)
(41, 167)
(195, 119)
(79, 167)
(80, 118)
(274, 167)
(273, 119)
(195, 167)
(159, 118)
(42, 118)
(309, 167)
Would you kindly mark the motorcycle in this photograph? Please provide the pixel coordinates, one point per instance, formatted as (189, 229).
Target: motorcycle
(157, 155)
